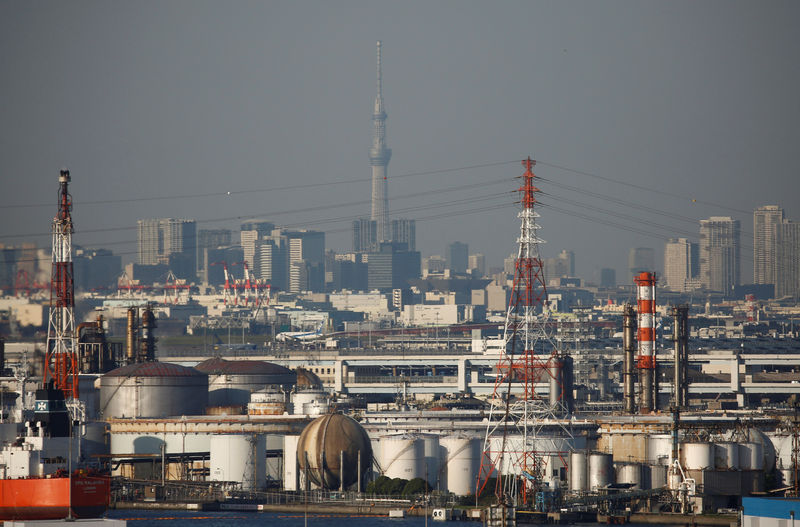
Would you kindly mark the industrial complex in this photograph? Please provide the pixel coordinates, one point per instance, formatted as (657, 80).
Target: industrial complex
(372, 377)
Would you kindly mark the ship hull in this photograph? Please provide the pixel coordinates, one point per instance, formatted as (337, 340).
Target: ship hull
(48, 498)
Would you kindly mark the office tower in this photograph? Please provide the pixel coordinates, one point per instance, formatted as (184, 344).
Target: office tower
(765, 221)
(379, 156)
(681, 264)
(168, 241)
(263, 227)
(478, 262)
(561, 266)
(405, 231)
(272, 261)
(391, 267)
(210, 239)
(95, 268)
(364, 235)
(306, 260)
(641, 260)
(608, 278)
(787, 268)
(457, 257)
(252, 231)
(719, 253)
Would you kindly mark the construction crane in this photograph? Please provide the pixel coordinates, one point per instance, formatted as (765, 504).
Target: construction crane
(246, 285)
(227, 288)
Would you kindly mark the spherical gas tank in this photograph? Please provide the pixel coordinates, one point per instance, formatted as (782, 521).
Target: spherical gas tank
(332, 449)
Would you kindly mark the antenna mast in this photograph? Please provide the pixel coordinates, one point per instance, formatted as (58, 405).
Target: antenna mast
(61, 363)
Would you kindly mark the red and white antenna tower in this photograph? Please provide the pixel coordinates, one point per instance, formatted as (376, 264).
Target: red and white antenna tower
(61, 363)
(530, 363)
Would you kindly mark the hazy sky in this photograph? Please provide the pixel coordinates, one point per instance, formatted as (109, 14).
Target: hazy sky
(652, 104)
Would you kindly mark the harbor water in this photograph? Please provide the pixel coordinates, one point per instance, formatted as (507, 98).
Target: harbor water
(170, 518)
(167, 518)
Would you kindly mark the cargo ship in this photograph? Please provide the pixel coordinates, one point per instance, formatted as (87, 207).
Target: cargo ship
(48, 498)
(35, 483)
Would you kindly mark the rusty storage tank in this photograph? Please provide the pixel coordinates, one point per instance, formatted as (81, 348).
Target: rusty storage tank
(307, 379)
(269, 401)
(153, 389)
(332, 450)
(230, 382)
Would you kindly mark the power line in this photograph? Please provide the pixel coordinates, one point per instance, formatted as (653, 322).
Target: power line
(299, 186)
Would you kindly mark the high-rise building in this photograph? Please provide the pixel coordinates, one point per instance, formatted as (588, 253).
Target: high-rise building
(561, 266)
(405, 231)
(391, 267)
(608, 278)
(720, 267)
(251, 232)
(365, 236)
(765, 222)
(681, 264)
(168, 241)
(272, 261)
(787, 268)
(641, 260)
(379, 156)
(478, 262)
(210, 239)
(457, 257)
(306, 261)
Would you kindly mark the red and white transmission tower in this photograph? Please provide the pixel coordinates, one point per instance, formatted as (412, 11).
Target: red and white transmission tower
(513, 447)
(61, 362)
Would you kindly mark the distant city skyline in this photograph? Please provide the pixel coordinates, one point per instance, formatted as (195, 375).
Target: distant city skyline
(638, 134)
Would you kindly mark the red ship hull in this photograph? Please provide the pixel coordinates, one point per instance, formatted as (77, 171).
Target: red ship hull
(48, 498)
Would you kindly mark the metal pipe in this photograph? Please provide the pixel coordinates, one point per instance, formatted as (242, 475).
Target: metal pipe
(130, 351)
(628, 347)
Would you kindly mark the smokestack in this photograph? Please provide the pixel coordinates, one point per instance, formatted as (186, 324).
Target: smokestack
(130, 352)
(680, 337)
(148, 337)
(628, 347)
(646, 299)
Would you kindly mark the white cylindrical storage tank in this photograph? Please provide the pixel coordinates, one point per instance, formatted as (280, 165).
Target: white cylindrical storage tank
(402, 456)
(430, 448)
(601, 470)
(751, 456)
(658, 476)
(578, 477)
(311, 401)
(659, 449)
(698, 456)
(460, 463)
(230, 382)
(630, 473)
(726, 456)
(239, 458)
